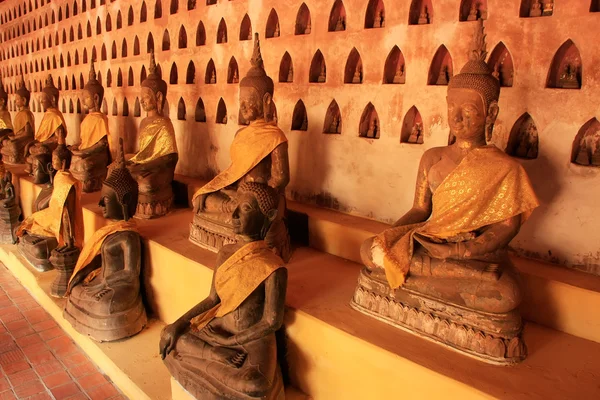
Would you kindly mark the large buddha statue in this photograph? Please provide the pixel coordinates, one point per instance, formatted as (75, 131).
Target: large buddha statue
(6, 126)
(225, 347)
(13, 146)
(153, 166)
(259, 153)
(46, 137)
(442, 269)
(104, 299)
(58, 227)
(92, 155)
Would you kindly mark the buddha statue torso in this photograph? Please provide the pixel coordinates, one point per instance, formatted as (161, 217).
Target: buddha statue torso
(13, 146)
(10, 211)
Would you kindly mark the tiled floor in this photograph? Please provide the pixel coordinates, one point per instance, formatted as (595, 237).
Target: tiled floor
(38, 360)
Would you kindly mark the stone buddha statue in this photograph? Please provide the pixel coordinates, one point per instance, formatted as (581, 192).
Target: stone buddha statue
(153, 166)
(43, 198)
(92, 155)
(442, 269)
(104, 299)
(57, 227)
(6, 126)
(13, 146)
(46, 137)
(9, 211)
(225, 347)
(259, 153)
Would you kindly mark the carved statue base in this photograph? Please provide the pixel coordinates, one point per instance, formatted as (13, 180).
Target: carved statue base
(9, 222)
(37, 249)
(155, 190)
(37, 150)
(493, 338)
(210, 232)
(13, 152)
(90, 171)
(64, 261)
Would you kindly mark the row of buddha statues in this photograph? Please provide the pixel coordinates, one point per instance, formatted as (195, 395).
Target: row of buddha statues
(441, 271)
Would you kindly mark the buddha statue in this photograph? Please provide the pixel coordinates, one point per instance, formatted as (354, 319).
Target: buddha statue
(259, 153)
(153, 166)
(225, 347)
(104, 298)
(473, 12)
(340, 24)
(59, 227)
(13, 146)
(6, 126)
(43, 198)
(41, 168)
(92, 155)
(10, 211)
(46, 138)
(423, 16)
(442, 270)
(61, 156)
(535, 9)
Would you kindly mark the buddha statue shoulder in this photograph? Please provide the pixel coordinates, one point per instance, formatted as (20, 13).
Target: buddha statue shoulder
(451, 246)
(225, 347)
(53, 123)
(91, 155)
(104, 297)
(13, 145)
(60, 225)
(153, 166)
(259, 153)
(6, 126)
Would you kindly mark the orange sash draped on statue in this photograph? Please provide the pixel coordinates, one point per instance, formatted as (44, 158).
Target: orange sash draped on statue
(157, 139)
(51, 121)
(93, 128)
(487, 187)
(5, 121)
(22, 118)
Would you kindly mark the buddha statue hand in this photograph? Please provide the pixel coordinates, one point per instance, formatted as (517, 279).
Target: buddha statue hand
(169, 336)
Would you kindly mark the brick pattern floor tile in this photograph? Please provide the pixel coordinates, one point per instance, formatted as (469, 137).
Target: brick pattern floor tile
(38, 361)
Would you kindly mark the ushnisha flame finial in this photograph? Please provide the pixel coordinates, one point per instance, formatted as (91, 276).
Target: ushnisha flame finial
(152, 67)
(479, 51)
(257, 60)
(92, 75)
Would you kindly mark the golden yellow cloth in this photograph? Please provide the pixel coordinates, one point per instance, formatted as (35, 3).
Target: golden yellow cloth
(5, 121)
(238, 277)
(23, 117)
(94, 245)
(157, 139)
(249, 147)
(53, 118)
(48, 222)
(487, 187)
(93, 128)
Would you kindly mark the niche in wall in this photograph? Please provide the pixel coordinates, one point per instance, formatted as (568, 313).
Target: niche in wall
(523, 140)
(200, 34)
(440, 70)
(286, 69)
(166, 41)
(395, 67)
(501, 63)
(272, 29)
(337, 17)
(246, 28)
(303, 21)
(233, 74)
(369, 126)
(182, 44)
(181, 109)
(586, 145)
(190, 76)
(594, 7)
(173, 76)
(412, 127)
(222, 32)
(221, 112)
(125, 112)
(137, 109)
(318, 70)
(536, 8)
(200, 112)
(566, 68)
(472, 10)
(211, 73)
(299, 117)
(353, 73)
(375, 15)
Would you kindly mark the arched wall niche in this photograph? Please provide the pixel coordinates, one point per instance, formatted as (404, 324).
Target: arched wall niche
(190, 76)
(536, 8)
(412, 127)
(233, 74)
(501, 63)
(286, 69)
(353, 72)
(594, 7)
(375, 14)
(369, 126)
(299, 117)
(523, 140)
(200, 34)
(125, 111)
(318, 69)
(440, 70)
(210, 77)
(137, 108)
(115, 108)
(303, 21)
(222, 32)
(273, 29)
(472, 10)
(246, 28)
(200, 112)
(586, 145)
(181, 111)
(182, 42)
(395, 67)
(221, 112)
(173, 76)
(337, 17)
(566, 70)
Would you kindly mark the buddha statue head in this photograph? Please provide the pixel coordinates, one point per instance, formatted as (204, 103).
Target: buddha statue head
(41, 168)
(93, 92)
(154, 89)
(23, 95)
(256, 210)
(473, 95)
(3, 95)
(49, 97)
(119, 195)
(256, 88)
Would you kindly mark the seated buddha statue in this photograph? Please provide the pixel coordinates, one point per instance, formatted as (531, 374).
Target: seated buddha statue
(10, 211)
(46, 137)
(59, 226)
(92, 155)
(225, 346)
(442, 269)
(6, 126)
(259, 153)
(13, 145)
(104, 299)
(153, 166)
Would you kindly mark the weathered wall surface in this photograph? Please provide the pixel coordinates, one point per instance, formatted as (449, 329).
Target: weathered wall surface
(369, 177)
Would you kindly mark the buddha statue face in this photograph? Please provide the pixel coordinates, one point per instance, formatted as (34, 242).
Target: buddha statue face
(252, 106)
(111, 207)
(20, 101)
(248, 219)
(467, 114)
(91, 101)
(152, 101)
(47, 101)
(39, 169)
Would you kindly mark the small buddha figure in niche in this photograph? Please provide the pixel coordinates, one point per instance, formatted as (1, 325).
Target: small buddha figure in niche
(357, 78)
(340, 24)
(527, 145)
(569, 78)
(448, 252)
(92, 155)
(153, 166)
(322, 74)
(9, 211)
(334, 127)
(308, 28)
(290, 77)
(424, 16)
(235, 78)
(548, 7)
(373, 130)
(104, 298)
(444, 76)
(223, 36)
(304, 125)
(535, 9)
(57, 227)
(259, 153)
(589, 149)
(473, 12)
(276, 32)
(6, 126)
(13, 145)
(416, 134)
(399, 75)
(225, 347)
(379, 19)
(213, 77)
(46, 138)
(249, 37)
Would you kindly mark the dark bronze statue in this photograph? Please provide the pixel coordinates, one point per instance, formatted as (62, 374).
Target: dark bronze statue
(10, 212)
(259, 153)
(13, 145)
(225, 347)
(104, 299)
(442, 270)
(6, 126)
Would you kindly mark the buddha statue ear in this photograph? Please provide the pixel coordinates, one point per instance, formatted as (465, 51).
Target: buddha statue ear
(266, 103)
(160, 98)
(269, 218)
(490, 119)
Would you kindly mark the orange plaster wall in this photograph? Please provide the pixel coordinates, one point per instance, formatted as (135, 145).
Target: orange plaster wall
(367, 177)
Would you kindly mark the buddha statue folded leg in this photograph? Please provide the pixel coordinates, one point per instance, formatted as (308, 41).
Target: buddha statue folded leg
(155, 185)
(13, 149)
(240, 372)
(37, 249)
(90, 171)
